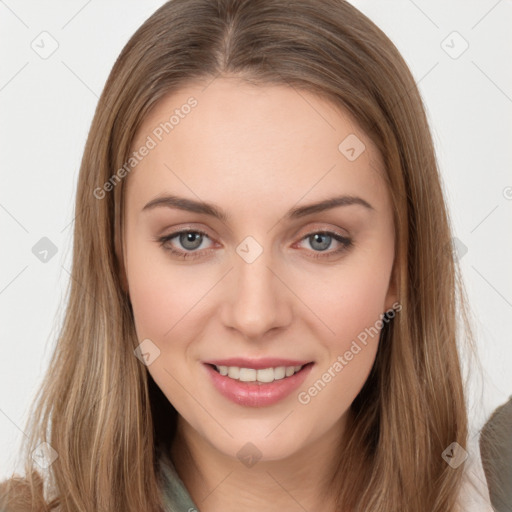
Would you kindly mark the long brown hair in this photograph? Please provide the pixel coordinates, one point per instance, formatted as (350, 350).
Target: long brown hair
(99, 408)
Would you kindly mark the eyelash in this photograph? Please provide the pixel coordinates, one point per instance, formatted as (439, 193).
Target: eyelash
(346, 243)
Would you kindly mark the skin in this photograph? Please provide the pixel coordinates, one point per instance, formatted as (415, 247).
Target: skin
(256, 152)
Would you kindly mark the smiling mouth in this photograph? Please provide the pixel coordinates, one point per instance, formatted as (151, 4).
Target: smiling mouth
(259, 376)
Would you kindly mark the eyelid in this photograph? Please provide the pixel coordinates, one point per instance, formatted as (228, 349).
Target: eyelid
(320, 228)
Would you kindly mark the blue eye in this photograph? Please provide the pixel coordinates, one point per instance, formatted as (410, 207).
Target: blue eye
(191, 240)
(322, 240)
(188, 240)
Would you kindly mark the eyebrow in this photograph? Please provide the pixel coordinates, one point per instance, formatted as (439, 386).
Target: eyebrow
(190, 205)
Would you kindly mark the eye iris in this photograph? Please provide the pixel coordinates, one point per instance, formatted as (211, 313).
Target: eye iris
(322, 237)
(190, 238)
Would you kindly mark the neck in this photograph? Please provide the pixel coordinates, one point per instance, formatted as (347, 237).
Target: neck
(300, 481)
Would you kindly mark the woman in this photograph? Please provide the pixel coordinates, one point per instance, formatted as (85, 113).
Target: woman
(302, 354)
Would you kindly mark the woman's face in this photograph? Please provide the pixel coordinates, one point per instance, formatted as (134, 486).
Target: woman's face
(273, 283)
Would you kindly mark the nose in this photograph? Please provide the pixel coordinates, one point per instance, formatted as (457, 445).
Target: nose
(257, 300)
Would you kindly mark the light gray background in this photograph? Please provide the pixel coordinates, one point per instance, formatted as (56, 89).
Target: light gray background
(47, 106)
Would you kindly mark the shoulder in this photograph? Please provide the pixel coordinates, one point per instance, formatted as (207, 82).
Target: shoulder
(20, 494)
(474, 492)
(496, 450)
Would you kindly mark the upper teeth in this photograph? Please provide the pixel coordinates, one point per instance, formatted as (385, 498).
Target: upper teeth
(264, 375)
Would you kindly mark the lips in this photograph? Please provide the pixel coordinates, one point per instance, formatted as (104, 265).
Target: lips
(256, 394)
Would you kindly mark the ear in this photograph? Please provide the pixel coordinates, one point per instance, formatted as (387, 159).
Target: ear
(392, 294)
(123, 279)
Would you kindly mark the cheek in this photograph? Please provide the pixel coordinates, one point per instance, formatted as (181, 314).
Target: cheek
(161, 293)
(358, 311)
(350, 303)
(347, 302)
(349, 353)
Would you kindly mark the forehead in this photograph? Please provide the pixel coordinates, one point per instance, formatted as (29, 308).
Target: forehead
(253, 143)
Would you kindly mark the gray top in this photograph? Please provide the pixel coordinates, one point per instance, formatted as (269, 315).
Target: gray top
(175, 495)
(496, 449)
